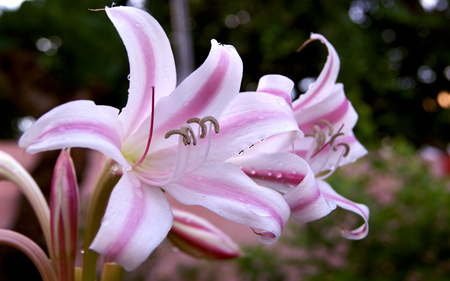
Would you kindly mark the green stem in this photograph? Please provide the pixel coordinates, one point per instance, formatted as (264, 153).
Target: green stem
(106, 181)
(112, 272)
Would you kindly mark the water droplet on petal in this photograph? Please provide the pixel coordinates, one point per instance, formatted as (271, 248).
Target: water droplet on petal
(269, 173)
(252, 171)
(134, 181)
(282, 101)
(139, 193)
(260, 117)
(263, 140)
(279, 175)
(165, 78)
(251, 146)
(129, 77)
(260, 211)
(175, 249)
(241, 152)
(199, 178)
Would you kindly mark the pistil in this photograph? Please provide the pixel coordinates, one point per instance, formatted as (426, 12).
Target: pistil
(150, 133)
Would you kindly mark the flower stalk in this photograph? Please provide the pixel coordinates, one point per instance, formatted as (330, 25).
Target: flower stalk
(108, 178)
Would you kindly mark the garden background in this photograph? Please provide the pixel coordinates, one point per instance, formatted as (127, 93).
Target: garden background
(395, 67)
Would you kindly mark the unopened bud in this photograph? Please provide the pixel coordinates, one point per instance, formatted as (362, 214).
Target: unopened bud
(64, 202)
(199, 238)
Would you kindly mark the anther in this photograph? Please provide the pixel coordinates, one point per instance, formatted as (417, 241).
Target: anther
(189, 130)
(320, 137)
(347, 148)
(329, 125)
(334, 137)
(213, 121)
(202, 125)
(181, 132)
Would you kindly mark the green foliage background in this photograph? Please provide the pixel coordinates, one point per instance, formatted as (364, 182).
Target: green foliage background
(408, 237)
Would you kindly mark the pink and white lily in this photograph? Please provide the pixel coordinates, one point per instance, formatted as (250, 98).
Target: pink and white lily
(327, 118)
(163, 139)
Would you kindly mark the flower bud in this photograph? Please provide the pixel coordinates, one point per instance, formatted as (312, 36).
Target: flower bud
(64, 215)
(199, 238)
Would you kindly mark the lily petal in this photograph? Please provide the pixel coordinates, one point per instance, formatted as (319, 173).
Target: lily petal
(208, 91)
(360, 209)
(137, 219)
(292, 176)
(336, 109)
(77, 124)
(151, 62)
(254, 116)
(281, 171)
(326, 79)
(224, 189)
(327, 158)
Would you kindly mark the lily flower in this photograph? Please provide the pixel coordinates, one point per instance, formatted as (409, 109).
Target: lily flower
(163, 139)
(199, 238)
(327, 118)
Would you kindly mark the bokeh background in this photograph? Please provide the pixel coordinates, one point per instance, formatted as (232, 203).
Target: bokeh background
(395, 67)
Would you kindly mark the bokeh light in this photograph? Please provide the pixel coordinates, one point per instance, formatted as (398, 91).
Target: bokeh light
(443, 99)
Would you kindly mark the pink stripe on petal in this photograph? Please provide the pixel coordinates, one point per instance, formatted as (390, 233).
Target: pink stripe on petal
(202, 97)
(330, 194)
(151, 62)
(274, 178)
(326, 79)
(135, 217)
(346, 202)
(316, 88)
(225, 190)
(305, 202)
(82, 127)
(277, 93)
(333, 117)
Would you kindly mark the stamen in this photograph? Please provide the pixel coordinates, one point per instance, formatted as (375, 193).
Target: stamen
(213, 121)
(150, 133)
(196, 164)
(182, 163)
(202, 125)
(189, 130)
(329, 125)
(344, 153)
(334, 137)
(181, 132)
(320, 137)
(347, 148)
